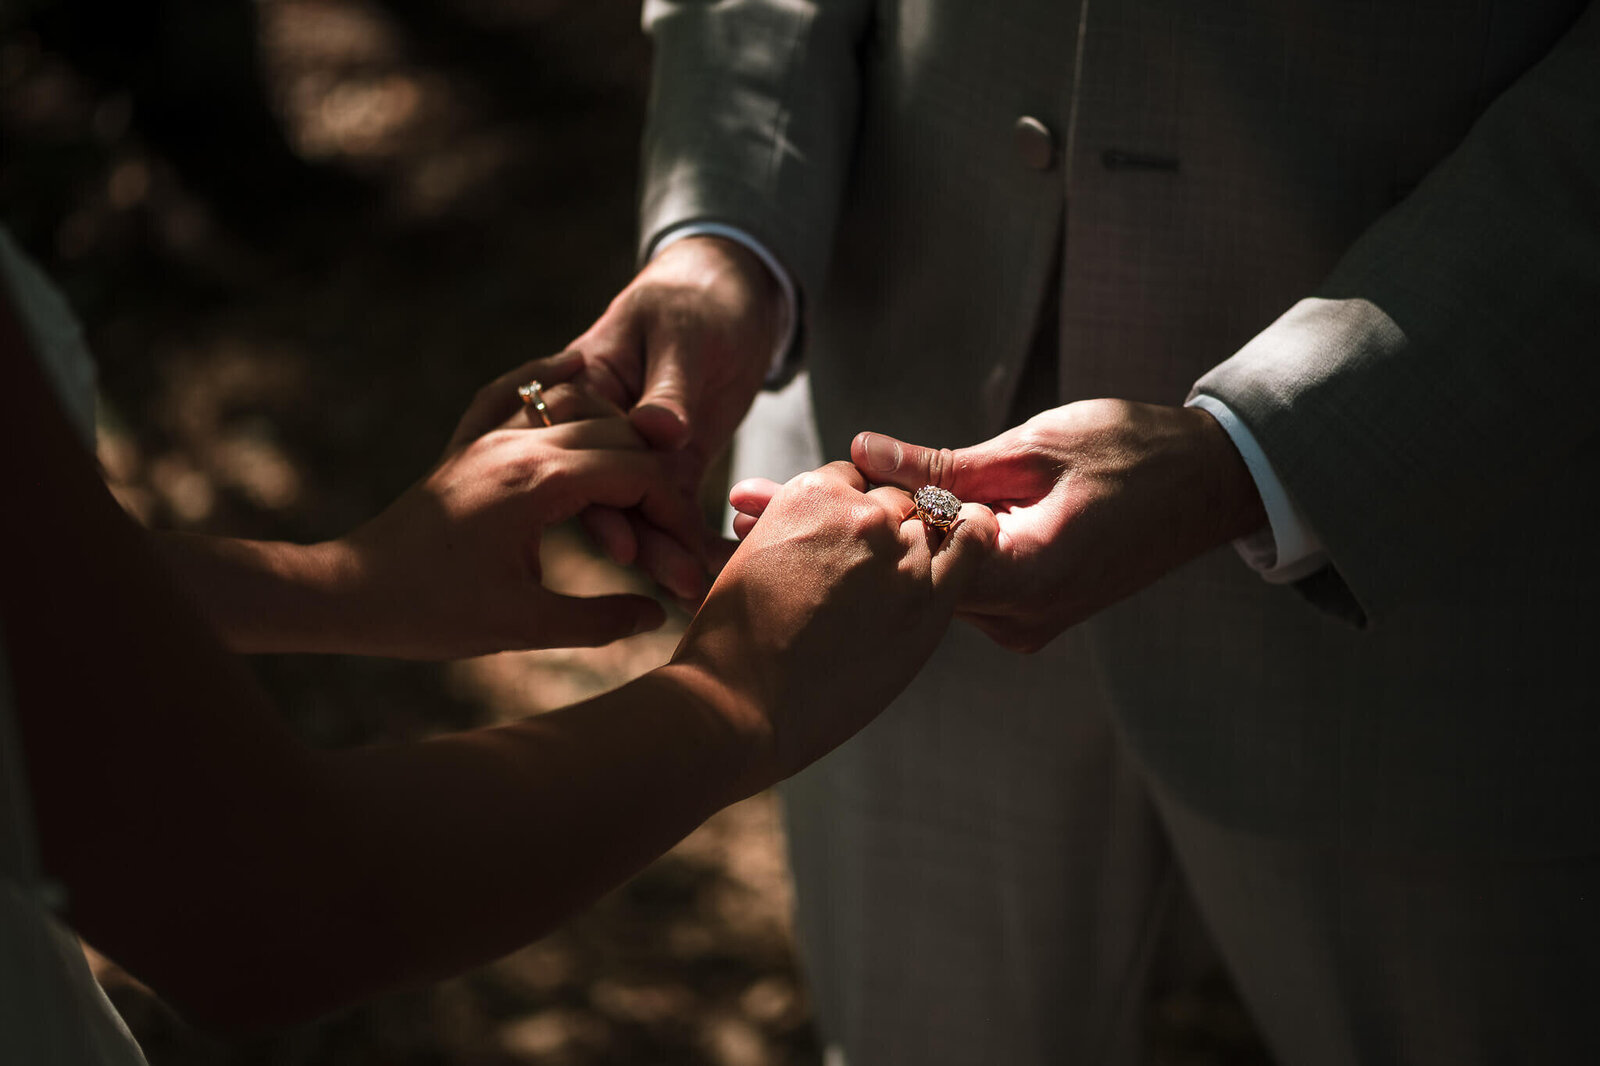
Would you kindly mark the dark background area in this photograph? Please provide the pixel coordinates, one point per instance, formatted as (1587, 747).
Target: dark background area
(300, 234)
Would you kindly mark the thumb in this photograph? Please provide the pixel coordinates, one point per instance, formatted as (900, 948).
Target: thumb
(1000, 468)
(590, 621)
(887, 461)
(969, 542)
(612, 351)
(662, 414)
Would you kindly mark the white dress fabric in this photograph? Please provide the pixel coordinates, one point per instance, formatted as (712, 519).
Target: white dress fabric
(51, 1009)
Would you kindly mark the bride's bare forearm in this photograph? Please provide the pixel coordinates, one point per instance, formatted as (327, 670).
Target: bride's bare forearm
(252, 879)
(270, 596)
(471, 845)
(422, 859)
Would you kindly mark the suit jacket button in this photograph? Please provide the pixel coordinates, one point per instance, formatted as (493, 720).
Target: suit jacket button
(1036, 145)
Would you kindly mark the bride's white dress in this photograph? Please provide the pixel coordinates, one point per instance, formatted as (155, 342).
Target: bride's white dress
(51, 1009)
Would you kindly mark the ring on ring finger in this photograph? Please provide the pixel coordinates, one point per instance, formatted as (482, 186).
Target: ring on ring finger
(937, 507)
(532, 395)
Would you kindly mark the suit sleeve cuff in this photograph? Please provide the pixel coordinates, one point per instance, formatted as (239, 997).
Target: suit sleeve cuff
(1287, 548)
(789, 322)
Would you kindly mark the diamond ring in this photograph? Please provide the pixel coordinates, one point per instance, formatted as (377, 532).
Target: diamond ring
(936, 507)
(532, 395)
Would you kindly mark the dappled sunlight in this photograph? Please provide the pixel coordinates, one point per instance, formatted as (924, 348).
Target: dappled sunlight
(286, 336)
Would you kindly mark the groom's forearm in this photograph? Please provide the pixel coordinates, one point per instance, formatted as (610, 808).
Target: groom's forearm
(269, 596)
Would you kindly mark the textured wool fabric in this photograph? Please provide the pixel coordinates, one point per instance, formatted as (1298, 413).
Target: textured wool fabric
(1371, 231)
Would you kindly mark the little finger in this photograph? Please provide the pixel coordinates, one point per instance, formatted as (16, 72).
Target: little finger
(1010, 633)
(577, 478)
(592, 621)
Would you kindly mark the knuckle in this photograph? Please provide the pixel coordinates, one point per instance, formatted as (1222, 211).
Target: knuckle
(561, 401)
(941, 467)
(1034, 440)
(521, 462)
(811, 482)
(865, 520)
(493, 443)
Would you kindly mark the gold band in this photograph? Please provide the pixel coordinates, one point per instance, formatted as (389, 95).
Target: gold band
(532, 395)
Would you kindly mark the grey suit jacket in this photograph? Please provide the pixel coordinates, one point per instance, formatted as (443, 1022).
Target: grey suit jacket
(1373, 230)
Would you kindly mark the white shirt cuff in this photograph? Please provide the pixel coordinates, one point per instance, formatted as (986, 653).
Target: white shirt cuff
(1287, 549)
(789, 322)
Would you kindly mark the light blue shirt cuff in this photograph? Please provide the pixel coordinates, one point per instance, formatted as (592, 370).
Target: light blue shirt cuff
(789, 321)
(1287, 549)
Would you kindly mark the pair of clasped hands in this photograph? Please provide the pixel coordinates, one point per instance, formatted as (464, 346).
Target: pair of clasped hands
(1079, 507)
(1071, 511)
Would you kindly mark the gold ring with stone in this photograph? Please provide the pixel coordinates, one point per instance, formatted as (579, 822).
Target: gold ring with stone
(936, 507)
(532, 395)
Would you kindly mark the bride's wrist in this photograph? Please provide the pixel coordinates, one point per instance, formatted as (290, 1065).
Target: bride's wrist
(734, 721)
(356, 605)
(265, 596)
(335, 610)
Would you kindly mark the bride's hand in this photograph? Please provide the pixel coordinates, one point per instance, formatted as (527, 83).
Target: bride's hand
(677, 558)
(830, 606)
(451, 568)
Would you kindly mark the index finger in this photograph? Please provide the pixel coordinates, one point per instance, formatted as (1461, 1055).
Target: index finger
(629, 479)
(896, 501)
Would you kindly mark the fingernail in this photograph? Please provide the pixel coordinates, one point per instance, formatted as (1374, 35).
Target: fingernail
(883, 453)
(661, 426)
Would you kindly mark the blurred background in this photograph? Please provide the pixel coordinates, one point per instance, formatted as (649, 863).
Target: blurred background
(300, 234)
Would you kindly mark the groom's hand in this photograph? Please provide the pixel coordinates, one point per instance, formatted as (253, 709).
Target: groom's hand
(683, 349)
(1095, 500)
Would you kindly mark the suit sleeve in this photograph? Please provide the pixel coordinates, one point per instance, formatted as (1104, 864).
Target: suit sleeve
(1452, 358)
(752, 121)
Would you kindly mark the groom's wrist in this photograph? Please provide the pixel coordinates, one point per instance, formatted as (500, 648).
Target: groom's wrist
(1234, 505)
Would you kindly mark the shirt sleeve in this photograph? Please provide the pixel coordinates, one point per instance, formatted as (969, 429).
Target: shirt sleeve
(1286, 549)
